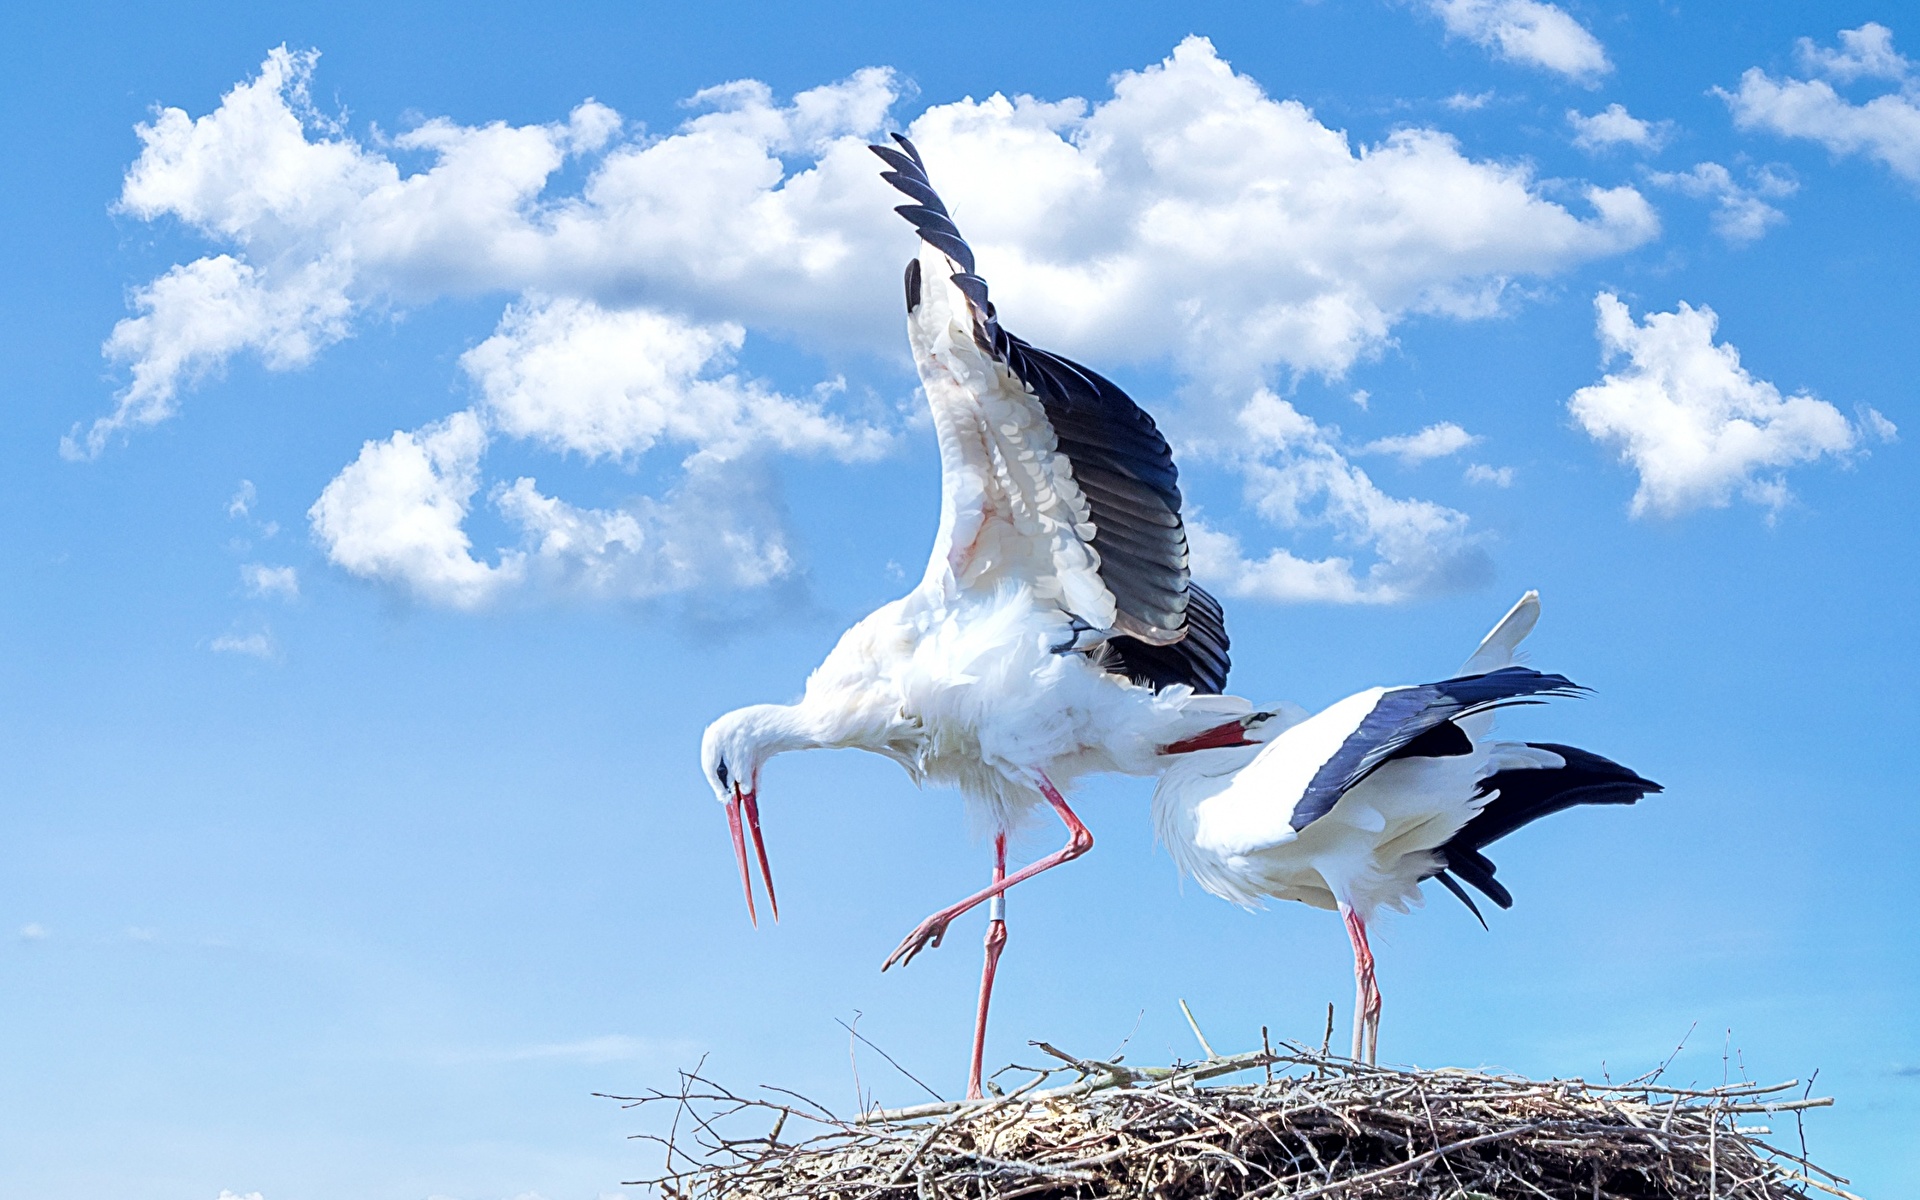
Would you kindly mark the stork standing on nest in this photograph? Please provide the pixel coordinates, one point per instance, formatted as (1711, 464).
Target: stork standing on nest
(1351, 808)
(1055, 633)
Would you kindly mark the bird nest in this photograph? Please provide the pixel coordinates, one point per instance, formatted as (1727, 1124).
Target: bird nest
(1308, 1125)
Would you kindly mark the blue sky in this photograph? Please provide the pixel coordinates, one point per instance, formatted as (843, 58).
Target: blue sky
(406, 458)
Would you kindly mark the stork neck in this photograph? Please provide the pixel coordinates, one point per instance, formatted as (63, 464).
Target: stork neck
(778, 728)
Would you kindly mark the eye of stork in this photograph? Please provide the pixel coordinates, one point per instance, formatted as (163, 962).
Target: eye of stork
(721, 773)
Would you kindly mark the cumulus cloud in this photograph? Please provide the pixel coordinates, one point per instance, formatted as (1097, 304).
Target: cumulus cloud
(1529, 32)
(1863, 53)
(1697, 426)
(1435, 441)
(1482, 473)
(1741, 212)
(1885, 128)
(575, 376)
(1298, 479)
(34, 931)
(397, 514)
(266, 582)
(1615, 126)
(1187, 216)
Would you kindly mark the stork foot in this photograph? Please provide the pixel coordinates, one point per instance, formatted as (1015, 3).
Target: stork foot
(928, 933)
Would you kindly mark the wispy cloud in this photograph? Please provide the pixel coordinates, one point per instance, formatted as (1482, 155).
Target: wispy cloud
(264, 582)
(607, 1048)
(1530, 32)
(1435, 441)
(1741, 211)
(256, 644)
(1615, 126)
(1299, 480)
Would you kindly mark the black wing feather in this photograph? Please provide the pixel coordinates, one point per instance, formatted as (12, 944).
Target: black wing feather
(1403, 715)
(1198, 660)
(1119, 457)
(1525, 794)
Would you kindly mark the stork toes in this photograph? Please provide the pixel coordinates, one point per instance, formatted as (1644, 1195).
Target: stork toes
(927, 934)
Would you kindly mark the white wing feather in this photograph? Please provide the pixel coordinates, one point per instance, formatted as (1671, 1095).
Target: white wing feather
(1497, 648)
(1010, 510)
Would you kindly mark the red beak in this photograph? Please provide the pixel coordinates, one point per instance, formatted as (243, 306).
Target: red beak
(745, 802)
(1233, 733)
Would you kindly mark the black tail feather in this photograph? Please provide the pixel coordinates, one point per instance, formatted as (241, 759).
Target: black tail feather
(1525, 795)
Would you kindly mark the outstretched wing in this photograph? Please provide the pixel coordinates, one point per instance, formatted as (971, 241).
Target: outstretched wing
(1053, 476)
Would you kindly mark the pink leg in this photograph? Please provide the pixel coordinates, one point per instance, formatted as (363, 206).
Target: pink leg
(996, 942)
(930, 931)
(1366, 990)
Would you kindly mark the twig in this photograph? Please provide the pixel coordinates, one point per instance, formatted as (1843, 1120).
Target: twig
(1195, 1026)
(883, 1054)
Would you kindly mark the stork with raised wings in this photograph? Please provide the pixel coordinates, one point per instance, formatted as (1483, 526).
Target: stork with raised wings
(1353, 807)
(1056, 631)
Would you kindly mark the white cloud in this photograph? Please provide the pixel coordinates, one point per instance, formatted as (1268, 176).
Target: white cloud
(1482, 473)
(1187, 216)
(1695, 424)
(1527, 31)
(574, 376)
(243, 500)
(1885, 128)
(397, 515)
(227, 1195)
(1435, 441)
(34, 931)
(1615, 126)
(195, 317)
(607, 384)
(264, 582)
(1876, 423)
(1298, 480)
(1741, 212)
(1468, 102)
(1864, 53)
(258, 644)
(398, 512)
(717, 529)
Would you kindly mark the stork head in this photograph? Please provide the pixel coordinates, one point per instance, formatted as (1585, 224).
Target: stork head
(731, 754)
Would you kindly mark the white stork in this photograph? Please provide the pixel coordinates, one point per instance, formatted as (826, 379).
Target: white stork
(1351, 808)
(1055, 632)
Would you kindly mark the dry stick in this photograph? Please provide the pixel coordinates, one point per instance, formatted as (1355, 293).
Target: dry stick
(1195, 1026)
(883, 1054)
(1109, 1075)
(1397, 1168)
